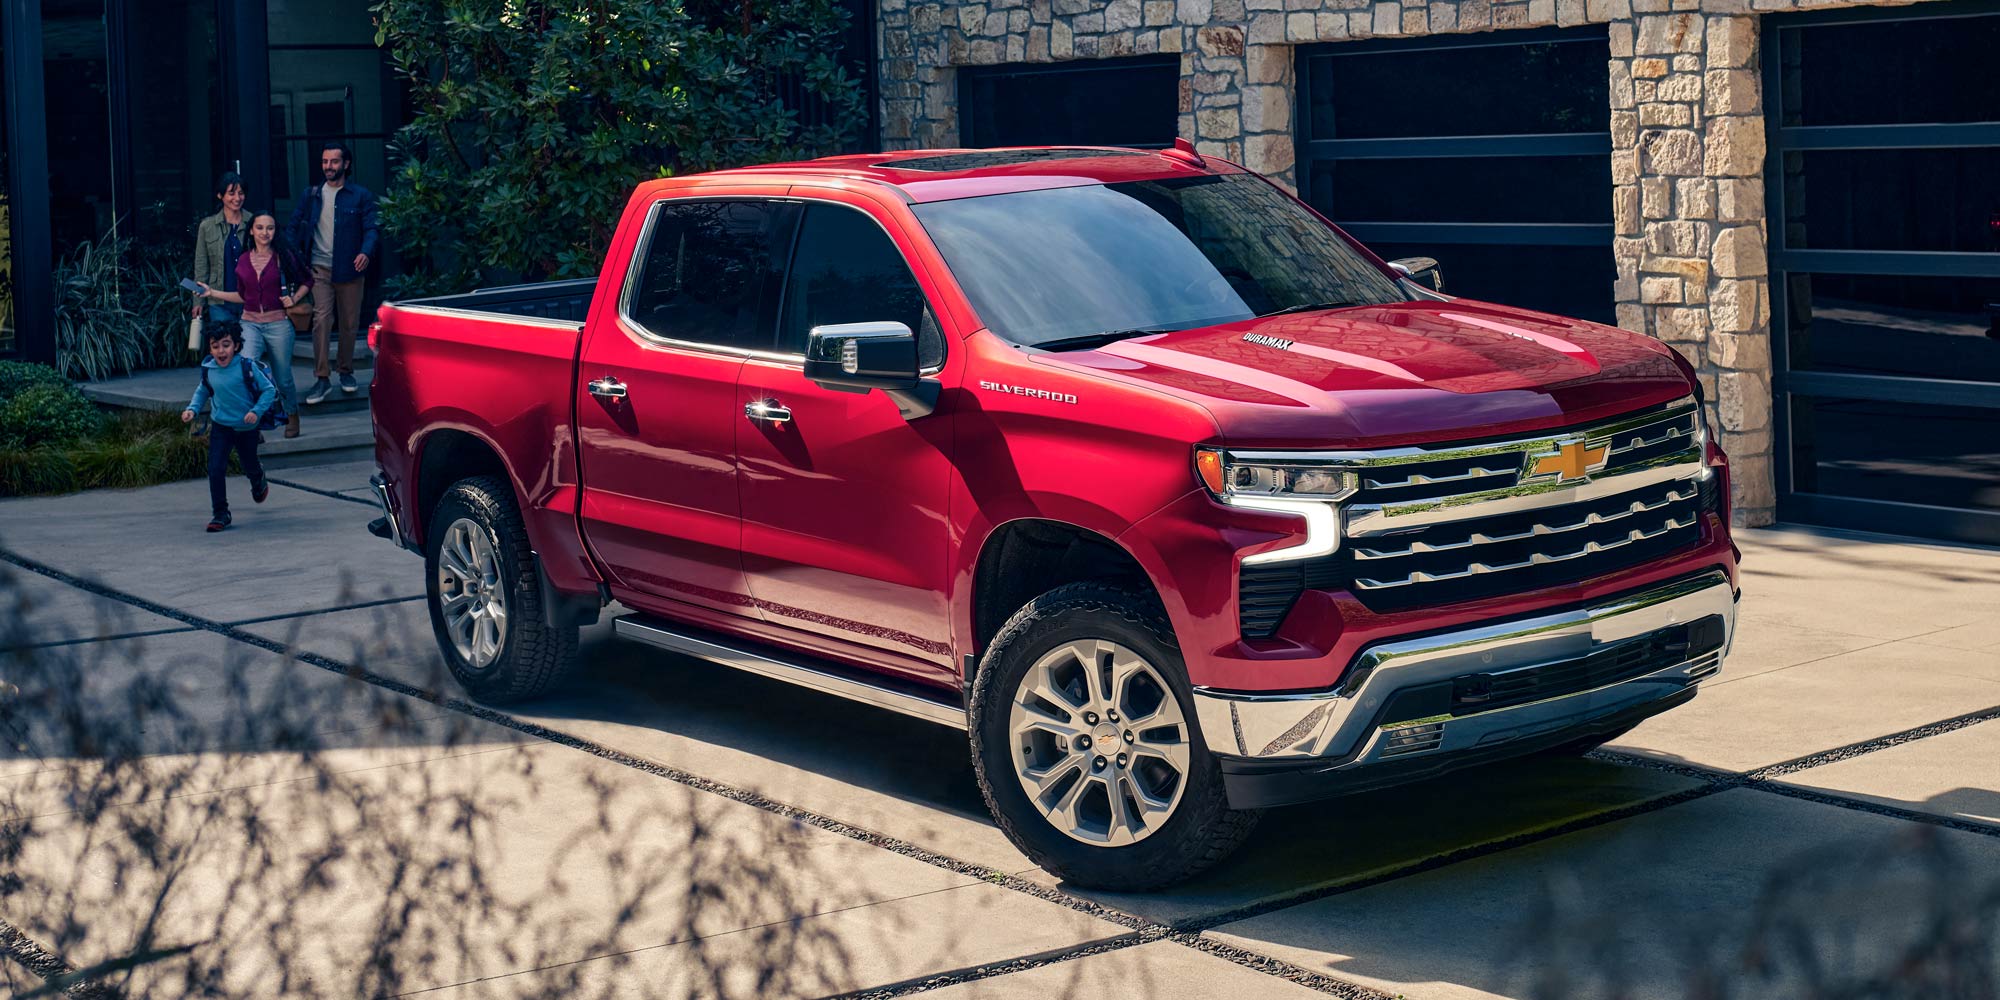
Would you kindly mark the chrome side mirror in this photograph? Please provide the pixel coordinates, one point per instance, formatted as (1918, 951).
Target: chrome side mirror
(1421, 271)
(857, 357)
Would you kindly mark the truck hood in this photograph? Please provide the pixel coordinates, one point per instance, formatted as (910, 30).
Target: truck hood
(1406, 373)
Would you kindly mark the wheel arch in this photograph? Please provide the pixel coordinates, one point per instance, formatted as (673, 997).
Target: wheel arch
(1030, 556)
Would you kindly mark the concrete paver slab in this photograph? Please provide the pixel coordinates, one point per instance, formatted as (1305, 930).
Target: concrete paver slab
(297, 552)
(896, 941)
(337, 476)
(1764, 646)
(1649, 903)
(1955, 774)
(1158, 970)
(1345, 840)
(35, 610)
(1782, 715)
(479, 866)
(897, 776)
(1980, 636)
(189, 693)
(1875, 587)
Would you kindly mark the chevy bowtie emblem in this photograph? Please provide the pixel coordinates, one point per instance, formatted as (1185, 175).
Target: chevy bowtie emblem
(1571, 460)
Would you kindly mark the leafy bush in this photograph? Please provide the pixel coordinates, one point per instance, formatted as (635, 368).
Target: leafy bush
(48, 414)
(18, 375)
(130, 449)
(41, 469)
(118, 309)
(534, 121)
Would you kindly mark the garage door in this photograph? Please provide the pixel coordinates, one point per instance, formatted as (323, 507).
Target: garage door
(1884, 191)
(1491, 153)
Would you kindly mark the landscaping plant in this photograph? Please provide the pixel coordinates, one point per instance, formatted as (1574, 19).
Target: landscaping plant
(535, 119)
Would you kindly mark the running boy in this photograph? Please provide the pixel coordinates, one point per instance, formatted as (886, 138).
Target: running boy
(237, 393)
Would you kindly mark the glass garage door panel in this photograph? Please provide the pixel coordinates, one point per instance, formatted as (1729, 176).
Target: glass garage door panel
(1572, 189)
(1937, 456)
(1899, 325)
(1875, 72)
(1566, 281)
(1489, 89)
(1107, 102)
(1894, 199)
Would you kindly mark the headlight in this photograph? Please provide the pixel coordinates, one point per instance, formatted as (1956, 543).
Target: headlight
(1272, 484)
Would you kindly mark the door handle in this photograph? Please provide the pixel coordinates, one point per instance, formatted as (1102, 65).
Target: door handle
(608, 388)
(769, 411)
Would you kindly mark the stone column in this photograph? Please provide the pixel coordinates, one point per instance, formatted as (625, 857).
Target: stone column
(1688, 210)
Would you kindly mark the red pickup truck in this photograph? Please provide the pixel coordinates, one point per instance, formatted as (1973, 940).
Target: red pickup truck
(1176, 498)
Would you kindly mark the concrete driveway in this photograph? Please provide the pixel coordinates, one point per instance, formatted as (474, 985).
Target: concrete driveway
(236, 768)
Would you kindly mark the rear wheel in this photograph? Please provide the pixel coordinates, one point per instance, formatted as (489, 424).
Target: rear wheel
(1086, 745)
(485, 600)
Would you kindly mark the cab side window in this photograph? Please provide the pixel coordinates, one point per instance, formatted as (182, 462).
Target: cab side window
(845, 269)
(711, 270)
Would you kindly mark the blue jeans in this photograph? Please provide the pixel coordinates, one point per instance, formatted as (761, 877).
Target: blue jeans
(221, 441)
(219, 311)
(275, 339)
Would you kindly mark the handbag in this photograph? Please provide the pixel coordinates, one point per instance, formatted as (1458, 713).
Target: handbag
(300, 312)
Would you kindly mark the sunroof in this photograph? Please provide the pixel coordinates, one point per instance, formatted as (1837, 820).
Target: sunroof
(978, 158)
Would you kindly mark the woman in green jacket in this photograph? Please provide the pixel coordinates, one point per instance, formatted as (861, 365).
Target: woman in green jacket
(218, 241)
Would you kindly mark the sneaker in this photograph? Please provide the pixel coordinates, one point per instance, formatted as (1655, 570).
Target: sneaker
(219, 521)
(319, 391)
(260, 490)
(347, 384)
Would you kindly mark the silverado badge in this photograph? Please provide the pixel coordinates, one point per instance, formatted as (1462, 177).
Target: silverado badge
(1574, 459)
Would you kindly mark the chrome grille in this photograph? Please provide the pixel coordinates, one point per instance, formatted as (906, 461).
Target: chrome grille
(1438, 525)
(1463, 539)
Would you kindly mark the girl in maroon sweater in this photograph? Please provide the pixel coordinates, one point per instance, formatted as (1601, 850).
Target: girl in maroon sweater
(269, 278)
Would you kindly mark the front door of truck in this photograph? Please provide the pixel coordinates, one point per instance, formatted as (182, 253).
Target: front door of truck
(657, 414)
(844, 502)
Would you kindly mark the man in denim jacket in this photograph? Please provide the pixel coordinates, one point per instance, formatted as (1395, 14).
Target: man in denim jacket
(337, 220)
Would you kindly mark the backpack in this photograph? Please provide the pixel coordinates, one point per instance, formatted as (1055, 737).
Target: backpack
(273, 416)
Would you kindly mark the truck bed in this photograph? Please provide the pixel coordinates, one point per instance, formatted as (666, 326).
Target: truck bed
(567, 301)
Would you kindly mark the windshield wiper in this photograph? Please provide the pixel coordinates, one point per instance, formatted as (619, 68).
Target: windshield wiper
(1098, 339)
(1307, 307)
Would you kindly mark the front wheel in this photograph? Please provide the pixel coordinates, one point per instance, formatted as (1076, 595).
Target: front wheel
(1087, 749)
(485, 599)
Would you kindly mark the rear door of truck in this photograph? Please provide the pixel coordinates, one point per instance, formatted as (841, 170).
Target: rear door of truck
(657, 413)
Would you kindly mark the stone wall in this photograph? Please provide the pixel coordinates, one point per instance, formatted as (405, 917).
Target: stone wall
(1687, 140)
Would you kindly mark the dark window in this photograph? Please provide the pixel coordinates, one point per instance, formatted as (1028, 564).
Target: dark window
(76, 85)
(1046, 265)
(1456, 89)
(847, 270)
(1465, 189)
(1940, 456)
(710, 272)
(1099, 102)
(1909, 325)
(1874, 72)
(1895, 199)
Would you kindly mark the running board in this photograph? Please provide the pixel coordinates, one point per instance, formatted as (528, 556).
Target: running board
(826, 678)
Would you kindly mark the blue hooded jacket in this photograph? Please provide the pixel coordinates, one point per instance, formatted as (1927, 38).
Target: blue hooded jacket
(232, 398)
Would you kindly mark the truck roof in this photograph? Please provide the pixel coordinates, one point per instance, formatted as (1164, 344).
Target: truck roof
(943, 174)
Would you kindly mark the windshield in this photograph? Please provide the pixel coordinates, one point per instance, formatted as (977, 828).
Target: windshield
(1054, 265)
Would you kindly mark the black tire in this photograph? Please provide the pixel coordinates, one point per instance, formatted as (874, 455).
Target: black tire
(534, 656)
(1203, 829)
(1577, 748)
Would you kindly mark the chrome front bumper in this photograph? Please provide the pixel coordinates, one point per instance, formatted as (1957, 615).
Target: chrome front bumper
(1339, 729)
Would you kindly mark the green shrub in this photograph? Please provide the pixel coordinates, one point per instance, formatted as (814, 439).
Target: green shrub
(118, 309)
(18, 375)
(48, 414)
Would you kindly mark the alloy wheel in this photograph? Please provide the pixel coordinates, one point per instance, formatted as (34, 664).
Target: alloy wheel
(1099, 743)
(471, 593)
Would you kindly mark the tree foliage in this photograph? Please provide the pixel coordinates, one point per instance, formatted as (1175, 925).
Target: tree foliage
(534, 118)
